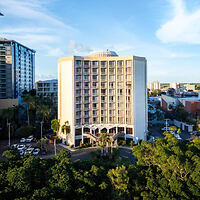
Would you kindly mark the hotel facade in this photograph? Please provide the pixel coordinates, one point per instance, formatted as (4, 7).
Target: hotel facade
(102, 92)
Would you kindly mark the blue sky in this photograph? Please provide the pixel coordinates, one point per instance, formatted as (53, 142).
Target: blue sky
(166, 32)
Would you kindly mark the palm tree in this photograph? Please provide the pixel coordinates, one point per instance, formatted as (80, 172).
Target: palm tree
(66, 127)
(31, 104)
(104, 139)
(55, 125)
(44, 112)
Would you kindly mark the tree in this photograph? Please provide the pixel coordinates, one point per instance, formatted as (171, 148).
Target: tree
(66, 128)
(55, 125)
(31, 104)
(44, 112)
(173, 128)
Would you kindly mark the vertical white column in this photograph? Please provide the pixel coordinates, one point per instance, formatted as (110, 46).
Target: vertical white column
(125, 132)
(82, 134)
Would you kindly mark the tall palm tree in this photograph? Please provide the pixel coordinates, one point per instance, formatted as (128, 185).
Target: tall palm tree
(104, 139)
(31, 104)
(44, 112)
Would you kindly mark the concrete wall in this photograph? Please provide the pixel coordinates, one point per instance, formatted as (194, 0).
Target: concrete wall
(66, 96)
(6, 103)
(140, 98)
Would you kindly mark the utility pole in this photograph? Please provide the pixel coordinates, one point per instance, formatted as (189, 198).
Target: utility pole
(8, 124)
(166, 123)
(41, 133)
(55, 145)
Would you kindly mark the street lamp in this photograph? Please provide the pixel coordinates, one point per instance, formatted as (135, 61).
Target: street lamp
(166, 123)
(41, 133)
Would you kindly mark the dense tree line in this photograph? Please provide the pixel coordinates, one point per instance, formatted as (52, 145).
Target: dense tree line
(165, 169)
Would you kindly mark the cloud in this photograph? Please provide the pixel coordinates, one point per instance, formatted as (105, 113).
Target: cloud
(75, 48)
(57, 52)
(32, 9)
(44, 77)
(183, 28)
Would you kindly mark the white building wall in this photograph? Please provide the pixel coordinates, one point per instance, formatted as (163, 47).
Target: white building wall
(66, 96)
(140, 99)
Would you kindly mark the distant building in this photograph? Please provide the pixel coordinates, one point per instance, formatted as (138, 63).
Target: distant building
(102, 92)
(155, 85)
(190, 104)
(176, 86)
(48, 89)
(189, 87)
(17, 69)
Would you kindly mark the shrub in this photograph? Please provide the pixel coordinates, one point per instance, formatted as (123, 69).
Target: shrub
(24, 131)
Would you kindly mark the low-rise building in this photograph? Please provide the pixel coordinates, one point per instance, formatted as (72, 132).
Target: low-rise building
(48, 89)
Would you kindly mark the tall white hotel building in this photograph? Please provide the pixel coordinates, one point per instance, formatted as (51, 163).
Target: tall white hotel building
(102, 92)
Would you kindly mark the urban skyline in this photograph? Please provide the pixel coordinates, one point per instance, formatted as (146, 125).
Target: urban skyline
(40, 26)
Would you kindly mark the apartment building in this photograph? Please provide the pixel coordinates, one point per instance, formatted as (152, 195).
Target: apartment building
(48, 89)
(102, 92)
(17, 69)
(155, 85)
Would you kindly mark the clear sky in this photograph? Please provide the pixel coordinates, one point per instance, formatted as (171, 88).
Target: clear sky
(166, 32)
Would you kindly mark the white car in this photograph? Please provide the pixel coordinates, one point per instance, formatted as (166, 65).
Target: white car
(29, 139)
(28, 151)
(14, 146)
(36, 152)
(20, 147)
(22, 140)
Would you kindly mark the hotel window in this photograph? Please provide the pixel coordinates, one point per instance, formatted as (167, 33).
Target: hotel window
(102, 98)
(120, 63)
(86, 105)
(102, 119)
(78, 105)
(94, 112)
(86, 77)
(102, 105)
(112, 63)
(94, 70)
(78, 91)
(86, 91)
(94, 77)
(94, 119)
(94, 63)
(78, 77)
(94, 105)
(103, 63)
(102, 112)
(86, 62)
(94, 98)
(94, 91)
(78, 84)
(78, 121)
(103, 77)
(86, 112)
(103, 91)
(78, 114)
(86, 120)
(103, 70)
(111, 85)
(94, 84)
(78, 62)
(86, 98)
(78, 70)
(78, 99)
(86, 70)
(86, 84)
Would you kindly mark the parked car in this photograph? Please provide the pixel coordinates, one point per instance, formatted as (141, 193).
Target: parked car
(28, 145)
(36, 151)
(22, 140)
(29, 139)
(14, 146)
(20, 147)
(29, 151)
